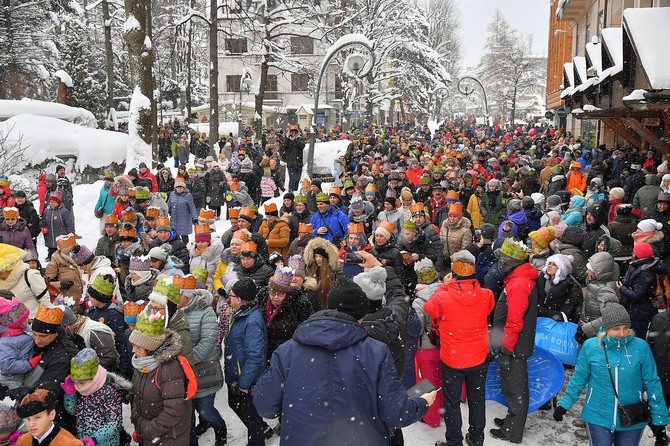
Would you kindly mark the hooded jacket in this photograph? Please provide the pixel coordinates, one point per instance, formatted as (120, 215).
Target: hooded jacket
(159, 410)
(329, 374)
(290, 314)
(646, 197)
(596, 229)
(246, 347)
(462, 308)
(574, 216)
(600, 291)
(61, 269)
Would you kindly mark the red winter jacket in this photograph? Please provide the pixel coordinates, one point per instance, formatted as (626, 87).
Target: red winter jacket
(519, 311)
(150, 176)
(462, 308)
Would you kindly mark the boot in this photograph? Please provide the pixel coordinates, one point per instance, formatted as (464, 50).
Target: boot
(582, 434)
(202, 427)
(221, 437)
(578, 422)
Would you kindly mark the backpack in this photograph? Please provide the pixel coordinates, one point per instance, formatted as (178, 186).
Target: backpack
(191, 379)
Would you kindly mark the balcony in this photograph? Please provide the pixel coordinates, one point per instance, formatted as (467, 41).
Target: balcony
(571, 9)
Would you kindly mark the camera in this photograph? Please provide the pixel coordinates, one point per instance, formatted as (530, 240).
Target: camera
(350, 257)
(478, 236)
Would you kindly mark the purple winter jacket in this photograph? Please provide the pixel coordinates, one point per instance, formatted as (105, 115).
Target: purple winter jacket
(17, 235)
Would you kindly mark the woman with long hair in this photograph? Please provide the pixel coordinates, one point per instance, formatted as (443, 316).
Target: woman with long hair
(321, 263)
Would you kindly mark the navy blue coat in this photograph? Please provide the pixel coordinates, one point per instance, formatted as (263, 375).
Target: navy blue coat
(335, 385)
(246, 347)
(182, 212)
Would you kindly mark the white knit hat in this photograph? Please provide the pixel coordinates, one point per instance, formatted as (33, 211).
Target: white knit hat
(373, 282)
(563, 263)
(649, 224)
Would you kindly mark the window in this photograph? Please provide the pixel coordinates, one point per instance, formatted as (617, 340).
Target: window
(271, 87)
(299, 82)
(233, 83)
(302, 45)
(236, 46)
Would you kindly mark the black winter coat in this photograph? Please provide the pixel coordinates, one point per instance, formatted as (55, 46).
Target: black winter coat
(658, 338)
(291, 151)
(29, 214)
(260, 272)
(563, 297)
(639, 288)
(389, 255)
(294, 311)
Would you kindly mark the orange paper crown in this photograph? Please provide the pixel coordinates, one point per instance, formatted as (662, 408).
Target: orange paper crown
(247, 212)
(10, 212)
(241, 235)
(162, 221)
(417, 207)
(356, 228)
(187, 282)
(202, 228)
(233, 213)
(335, 191)
(66, 241)
(111, 219)
(463, 269)
(129, 215)
(270, 207)
(153, 212)
(131, 308)
(390, 227)
(452, 194)
(249, 247)
(49, 315)
(130, 232)
(305, 228)
(207, 214)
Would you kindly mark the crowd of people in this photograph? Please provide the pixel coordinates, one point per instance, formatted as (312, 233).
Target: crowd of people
(428, 256)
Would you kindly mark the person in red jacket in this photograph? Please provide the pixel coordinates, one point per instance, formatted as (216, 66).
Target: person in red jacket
(513, 336)
(144, 172)
(461, 307)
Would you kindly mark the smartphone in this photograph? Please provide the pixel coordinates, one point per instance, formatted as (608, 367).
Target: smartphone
(478, 236)
(350, 257)
(423, 386)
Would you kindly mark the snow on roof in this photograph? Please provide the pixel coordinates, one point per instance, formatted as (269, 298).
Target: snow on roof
(613, 44)
(570, 74)
(79, 116)
(48, 138)
(64, 78)
(649, 33)
(635, 95)
(593, 49)
(579, 64)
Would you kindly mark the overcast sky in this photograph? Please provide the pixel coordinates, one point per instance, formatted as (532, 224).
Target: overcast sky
(527, 16)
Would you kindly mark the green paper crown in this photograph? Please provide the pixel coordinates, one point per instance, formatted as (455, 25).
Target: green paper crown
(348, 184)
(84, 371)
(409, 225)
(425, 271)
(515, 250)
(168, 290)
(300, 199)
(425, 180)
(102, 285)
(200, 273)
(148, 327)
(322, 197)
(142, 193)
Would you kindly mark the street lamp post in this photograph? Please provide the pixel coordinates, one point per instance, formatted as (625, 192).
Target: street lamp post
(467, 90)
(356, 64)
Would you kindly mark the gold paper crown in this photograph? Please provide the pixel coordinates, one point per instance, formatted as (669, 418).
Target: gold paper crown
(452, 194)
(247, 212)
(335, 191)
(52, 316)
(207, 214)
(131, 308)
(66, 241)
(270, 207)
(356, 228)
(187, 282)
(456, 207)
(162, 221)
(10, 212)
(417, 207)
(233, 213)
(249, 247)
(305, 228)
(129, 215)
(242, 235)
(129, 232)
(153, 212)
(201, 228)
(390, 227)
(111, 219)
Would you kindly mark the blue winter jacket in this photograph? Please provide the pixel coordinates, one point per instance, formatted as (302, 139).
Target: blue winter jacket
(182, 212)
(634, 372)
(518, 218)
(246, 347)
(334, 219)
(103, 200)
(335, 385)
(15, 351)
(574, 215)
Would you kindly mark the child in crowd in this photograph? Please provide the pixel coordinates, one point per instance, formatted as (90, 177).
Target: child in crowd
(16, 344)
(38, 409)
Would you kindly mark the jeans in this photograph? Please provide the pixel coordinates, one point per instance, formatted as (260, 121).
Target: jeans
(601, 436)
(514, 379)
(244, 408)
(452, 386)
(294, 178)
(206, 412)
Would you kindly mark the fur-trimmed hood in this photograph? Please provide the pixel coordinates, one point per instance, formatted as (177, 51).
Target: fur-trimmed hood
(310, 284)
(169, 349)
(119, 381)
(123, 181)
(330, 249)
(201, 299)
(563, 263)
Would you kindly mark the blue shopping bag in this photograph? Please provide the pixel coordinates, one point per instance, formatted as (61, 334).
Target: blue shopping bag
(558, 338)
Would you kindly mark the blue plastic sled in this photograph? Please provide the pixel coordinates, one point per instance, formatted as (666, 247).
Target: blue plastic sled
(545, 379)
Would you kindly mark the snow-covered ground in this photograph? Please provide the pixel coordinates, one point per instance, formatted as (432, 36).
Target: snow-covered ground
(541, 429)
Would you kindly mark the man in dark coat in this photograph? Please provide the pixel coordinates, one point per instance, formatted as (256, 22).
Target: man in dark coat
(513, 337)
(332, 372)
(165, 234)
(291, 151)
(596, 225)
(28, 212)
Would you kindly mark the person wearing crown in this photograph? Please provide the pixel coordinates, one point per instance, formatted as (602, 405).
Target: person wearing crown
(275, 230)
(252, 266)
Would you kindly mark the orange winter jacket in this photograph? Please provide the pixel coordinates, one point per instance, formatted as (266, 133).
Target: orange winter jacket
(461, 309)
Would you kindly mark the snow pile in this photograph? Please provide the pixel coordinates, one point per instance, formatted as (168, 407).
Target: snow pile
(137, 150)
(325, 154)
(649, 34)
(48, 138)
(635, 95)
(80, 116)
(64, 78)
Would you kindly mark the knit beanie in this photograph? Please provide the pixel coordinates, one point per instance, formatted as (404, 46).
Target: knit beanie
(617, 193)
(281, 280)
(202, 233)
(614, 315)
(347, 297)
(463, 264)
(425, 271)
(102, 288)
(553, 201)
(488, 233)
(297, 263)
(663, 196)
(149, 331)
(38, 401)
(643, 251)
(649, 224)
(373, 282)
(514, 204)
(84, 365)
(543, 236)
(9, 421)
(13, 314)
(245, 289)
(161, 252)
(385, 229)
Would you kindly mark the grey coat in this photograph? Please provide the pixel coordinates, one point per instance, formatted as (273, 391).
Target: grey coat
(600, 291)
(58, 221)
(204, 326)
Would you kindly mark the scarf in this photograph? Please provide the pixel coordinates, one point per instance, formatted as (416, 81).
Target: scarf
(199, 251)
(144, 276)
(145, 364)
(90, 387)
(642, 236)
(271, 310)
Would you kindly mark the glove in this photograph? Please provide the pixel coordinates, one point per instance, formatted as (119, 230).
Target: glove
(580, 336)
(136, 437)
(235, 389)
(88, 441)
(559, 412)
(66, 285)
(208, 199)
(660, 435)
(45, 230)
(35, 360)
(68, 386)
(557, 317)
